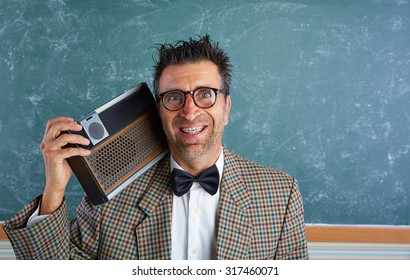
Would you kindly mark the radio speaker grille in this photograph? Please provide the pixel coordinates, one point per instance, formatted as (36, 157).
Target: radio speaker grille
(126, 152)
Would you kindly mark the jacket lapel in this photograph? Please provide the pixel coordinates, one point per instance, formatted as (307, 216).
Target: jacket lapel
(154, 232)
(234, 226)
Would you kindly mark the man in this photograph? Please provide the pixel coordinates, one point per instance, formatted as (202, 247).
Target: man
(250, 212)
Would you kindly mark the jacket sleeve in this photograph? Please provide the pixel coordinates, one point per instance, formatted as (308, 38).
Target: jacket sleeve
(54, 237)
(292, 243)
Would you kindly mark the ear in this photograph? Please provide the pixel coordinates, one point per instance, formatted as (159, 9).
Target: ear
(227, 109)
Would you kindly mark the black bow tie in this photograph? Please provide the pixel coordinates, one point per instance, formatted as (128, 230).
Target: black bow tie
(182, 181)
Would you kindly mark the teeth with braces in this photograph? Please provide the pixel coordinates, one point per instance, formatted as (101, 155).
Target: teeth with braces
(193, 130)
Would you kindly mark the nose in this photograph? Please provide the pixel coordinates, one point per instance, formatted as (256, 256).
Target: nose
(189, 111)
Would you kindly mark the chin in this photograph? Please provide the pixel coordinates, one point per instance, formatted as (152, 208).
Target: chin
(191, 152)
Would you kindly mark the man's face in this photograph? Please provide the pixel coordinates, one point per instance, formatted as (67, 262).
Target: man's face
(193, 132)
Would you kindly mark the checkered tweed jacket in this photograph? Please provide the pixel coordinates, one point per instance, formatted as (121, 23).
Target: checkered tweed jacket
(260, 217)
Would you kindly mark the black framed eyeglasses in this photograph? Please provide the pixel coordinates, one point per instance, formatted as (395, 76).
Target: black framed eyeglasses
(203, 97)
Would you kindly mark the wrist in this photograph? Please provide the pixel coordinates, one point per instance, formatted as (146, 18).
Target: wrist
(50, 202)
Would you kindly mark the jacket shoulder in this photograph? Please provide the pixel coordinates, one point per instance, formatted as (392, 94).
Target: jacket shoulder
(256, 172)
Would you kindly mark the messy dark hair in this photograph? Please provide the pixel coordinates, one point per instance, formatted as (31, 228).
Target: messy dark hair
(192, 51)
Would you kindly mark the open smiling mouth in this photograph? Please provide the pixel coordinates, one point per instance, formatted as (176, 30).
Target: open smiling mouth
(193, 130)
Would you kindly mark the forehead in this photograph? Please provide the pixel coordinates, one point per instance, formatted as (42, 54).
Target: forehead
(190, 76)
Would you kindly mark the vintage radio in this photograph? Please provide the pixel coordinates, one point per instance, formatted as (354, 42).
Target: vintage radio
(126, 139)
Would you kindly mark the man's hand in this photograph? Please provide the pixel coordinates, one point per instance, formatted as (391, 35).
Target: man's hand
(57, 169)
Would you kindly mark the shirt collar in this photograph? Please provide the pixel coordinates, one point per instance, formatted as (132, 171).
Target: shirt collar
(219, 164)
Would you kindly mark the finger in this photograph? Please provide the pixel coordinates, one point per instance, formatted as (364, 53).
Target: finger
(71, 152)
(52, 157)
(51, 122)
(65, 139)
(54, 129)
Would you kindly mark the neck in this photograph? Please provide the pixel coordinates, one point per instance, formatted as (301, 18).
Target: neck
(196, 165)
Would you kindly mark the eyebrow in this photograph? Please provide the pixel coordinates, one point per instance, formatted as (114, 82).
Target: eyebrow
(196, 88)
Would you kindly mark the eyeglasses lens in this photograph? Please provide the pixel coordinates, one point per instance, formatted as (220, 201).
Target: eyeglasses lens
(203, 97)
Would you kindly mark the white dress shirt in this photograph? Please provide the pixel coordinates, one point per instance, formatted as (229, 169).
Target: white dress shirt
(194, 221)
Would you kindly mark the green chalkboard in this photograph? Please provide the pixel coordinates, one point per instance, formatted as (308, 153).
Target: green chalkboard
(321, 89)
